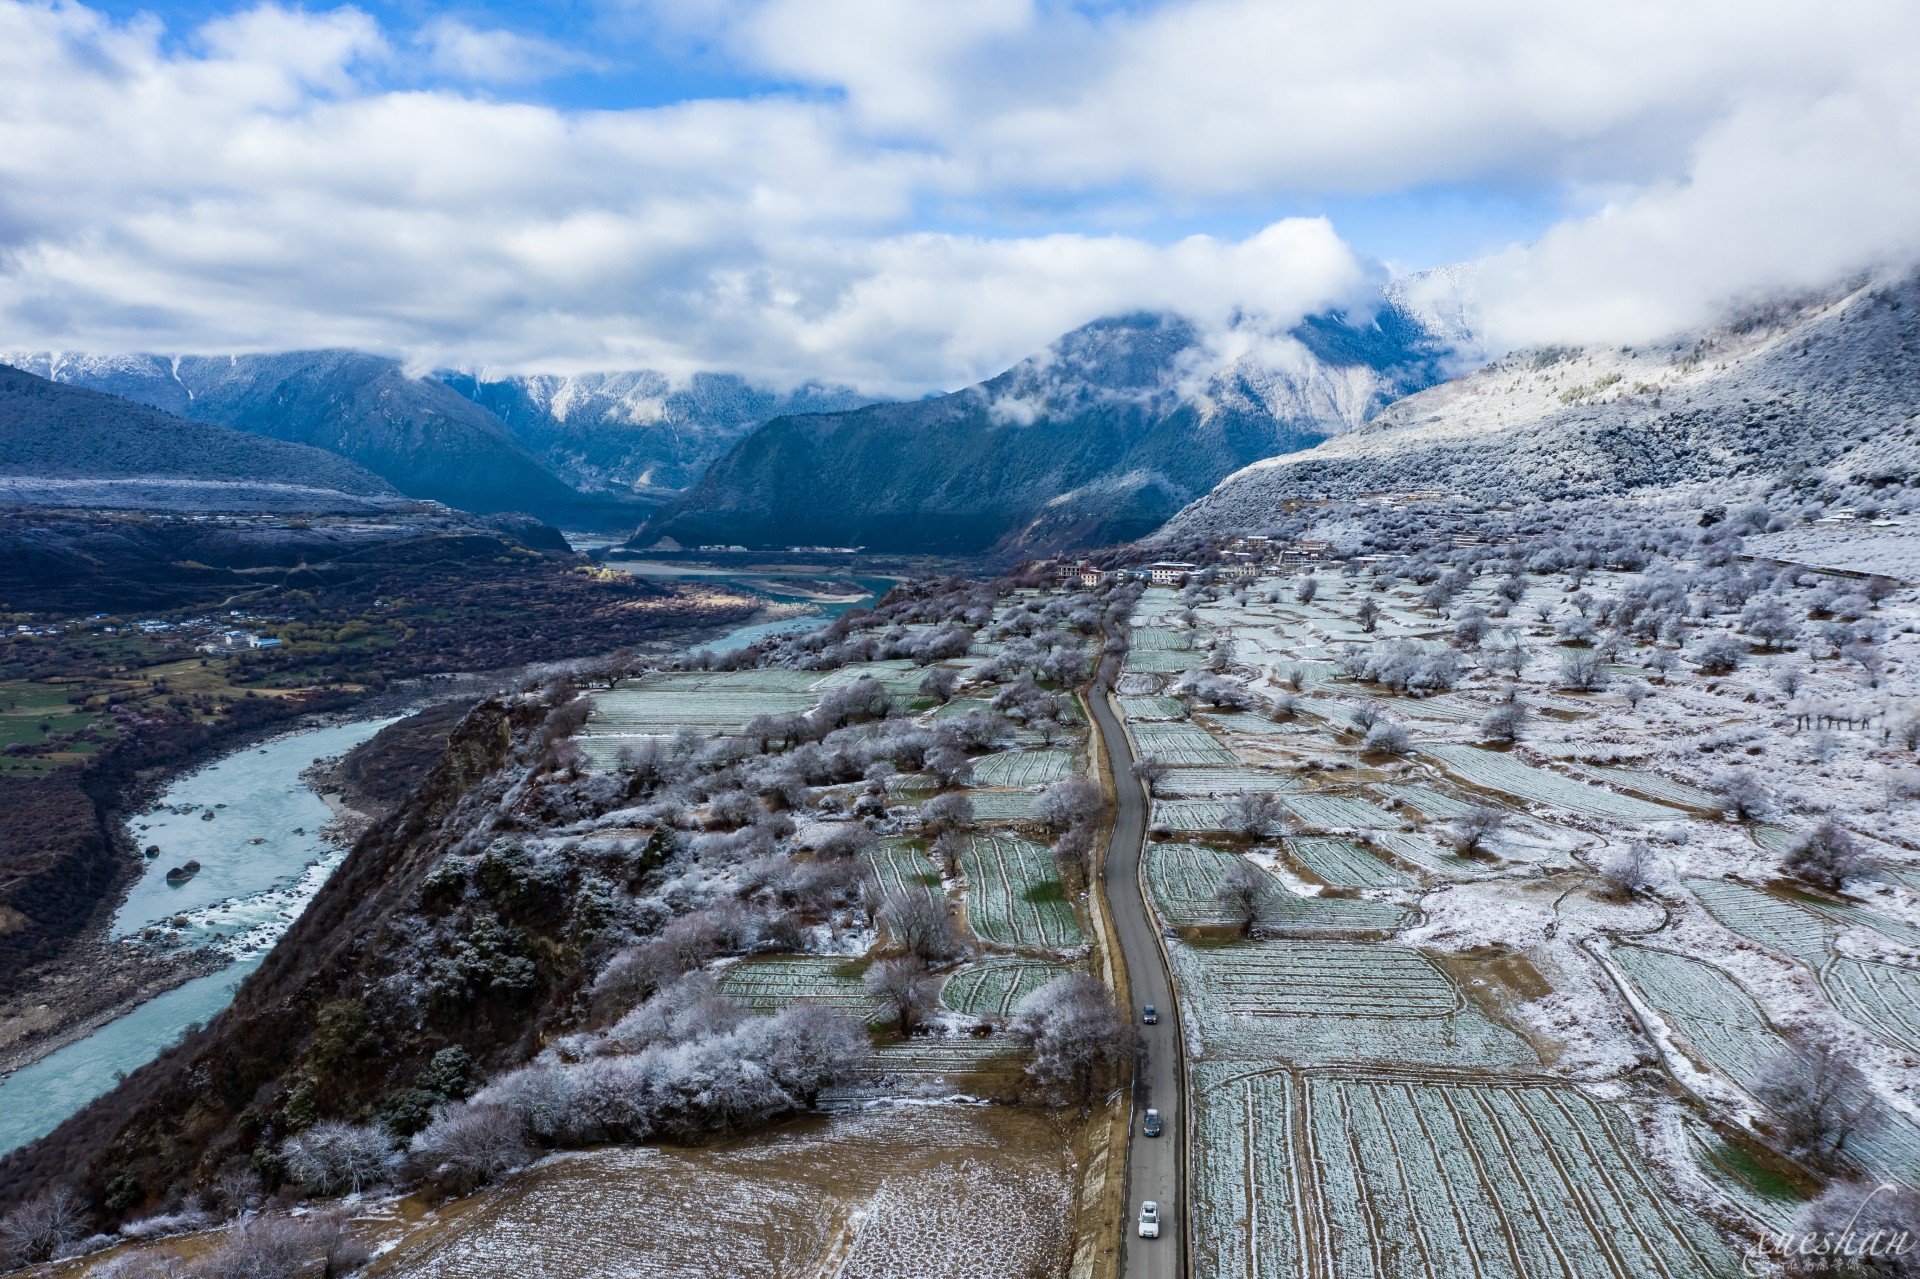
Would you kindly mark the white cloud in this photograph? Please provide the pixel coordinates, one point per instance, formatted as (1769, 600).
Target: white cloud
(265, 186)
(466, 53)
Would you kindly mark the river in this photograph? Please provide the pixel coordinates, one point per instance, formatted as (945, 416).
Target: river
(261, 861)
(859, 591)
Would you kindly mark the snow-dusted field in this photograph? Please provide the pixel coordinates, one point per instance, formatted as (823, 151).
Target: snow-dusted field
(1447, 1062)
(934, 1191)
(1014, 896)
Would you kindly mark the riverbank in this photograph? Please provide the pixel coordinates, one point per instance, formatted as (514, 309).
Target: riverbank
(99, 977)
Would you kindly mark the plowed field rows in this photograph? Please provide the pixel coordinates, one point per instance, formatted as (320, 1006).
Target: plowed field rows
(1014, 896)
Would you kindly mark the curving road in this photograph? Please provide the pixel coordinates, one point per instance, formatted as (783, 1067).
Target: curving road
(1156, 1166)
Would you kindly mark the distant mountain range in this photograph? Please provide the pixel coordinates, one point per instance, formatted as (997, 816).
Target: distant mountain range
(636, 431)
(1828, 383)
(1100, 438)
(67, 446)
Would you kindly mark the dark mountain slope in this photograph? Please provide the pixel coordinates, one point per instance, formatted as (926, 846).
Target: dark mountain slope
(1100, 438)
(54, 432)
(1830, 383)
(420, 435)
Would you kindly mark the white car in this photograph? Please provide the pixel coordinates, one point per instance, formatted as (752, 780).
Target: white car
(1149, 1220)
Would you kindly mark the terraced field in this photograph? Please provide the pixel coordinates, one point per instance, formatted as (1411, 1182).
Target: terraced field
(1880, 997)
(1180, 743)
(1160, 661)
(1004, 805)
(1344, 864)
(1766, 919)
(1183, 878)
(944, 1192)
(1339, 812)
(900, 869)
(1494, 771)
(1431, 803)
(1192, 815)
(1149, 706)
(1325, 1002)
(1159, 639)
(773, 982)
(1347, 1177)
(1224, 781)
(1023, 768)
(1652, 785)
(1725, 1028)
(994, 987)
(1014, 896)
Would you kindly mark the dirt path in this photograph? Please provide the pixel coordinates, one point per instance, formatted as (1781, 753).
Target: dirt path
(1156, 1166)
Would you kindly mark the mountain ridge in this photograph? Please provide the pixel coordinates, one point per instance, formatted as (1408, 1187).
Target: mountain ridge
(1100, 437)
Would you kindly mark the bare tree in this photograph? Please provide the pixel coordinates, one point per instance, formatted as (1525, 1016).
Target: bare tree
(1504, 723)
(904, 989)
(1256, 815)
(1368, 615)
(1788, 680)
(1819, 1100)
(1150, 771)
(1073, 857)
(1081, 1043)
(1473, 828)
(921, 925)
(946, 850)
(1628, 870)
(1245, 893)
(1828, 855)
(1864, 1231)
(41, 1226)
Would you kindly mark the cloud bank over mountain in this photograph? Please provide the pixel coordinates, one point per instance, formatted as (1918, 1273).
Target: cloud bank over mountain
(909, 196)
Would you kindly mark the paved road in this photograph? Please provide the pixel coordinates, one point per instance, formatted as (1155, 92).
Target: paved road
(1155, 1165)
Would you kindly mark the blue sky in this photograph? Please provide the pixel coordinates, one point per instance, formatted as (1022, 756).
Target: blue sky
(909, 194)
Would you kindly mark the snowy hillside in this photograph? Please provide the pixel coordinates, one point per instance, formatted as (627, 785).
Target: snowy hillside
(1829, 383)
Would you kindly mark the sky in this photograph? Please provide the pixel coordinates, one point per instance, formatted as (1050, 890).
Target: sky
(905, 195)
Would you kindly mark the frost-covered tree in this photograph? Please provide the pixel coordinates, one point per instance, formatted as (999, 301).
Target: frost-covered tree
(1860, 1230)
(1387, 738)
(1828, 855)
(1245, 894)
(1629, 869)
(466, 1147)
(943, 813)
(334, 1157)
(1504, 723)
(1583, 671)
(1306, 590)
(938, 683)
(1256, 815)
(1069, 803)
(1081, 1043)
(1819, 1100)
(1766, 620)
(1741, 793)
(904, 989)
(1473, 828)
(1718, 654)
(1150, 771)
